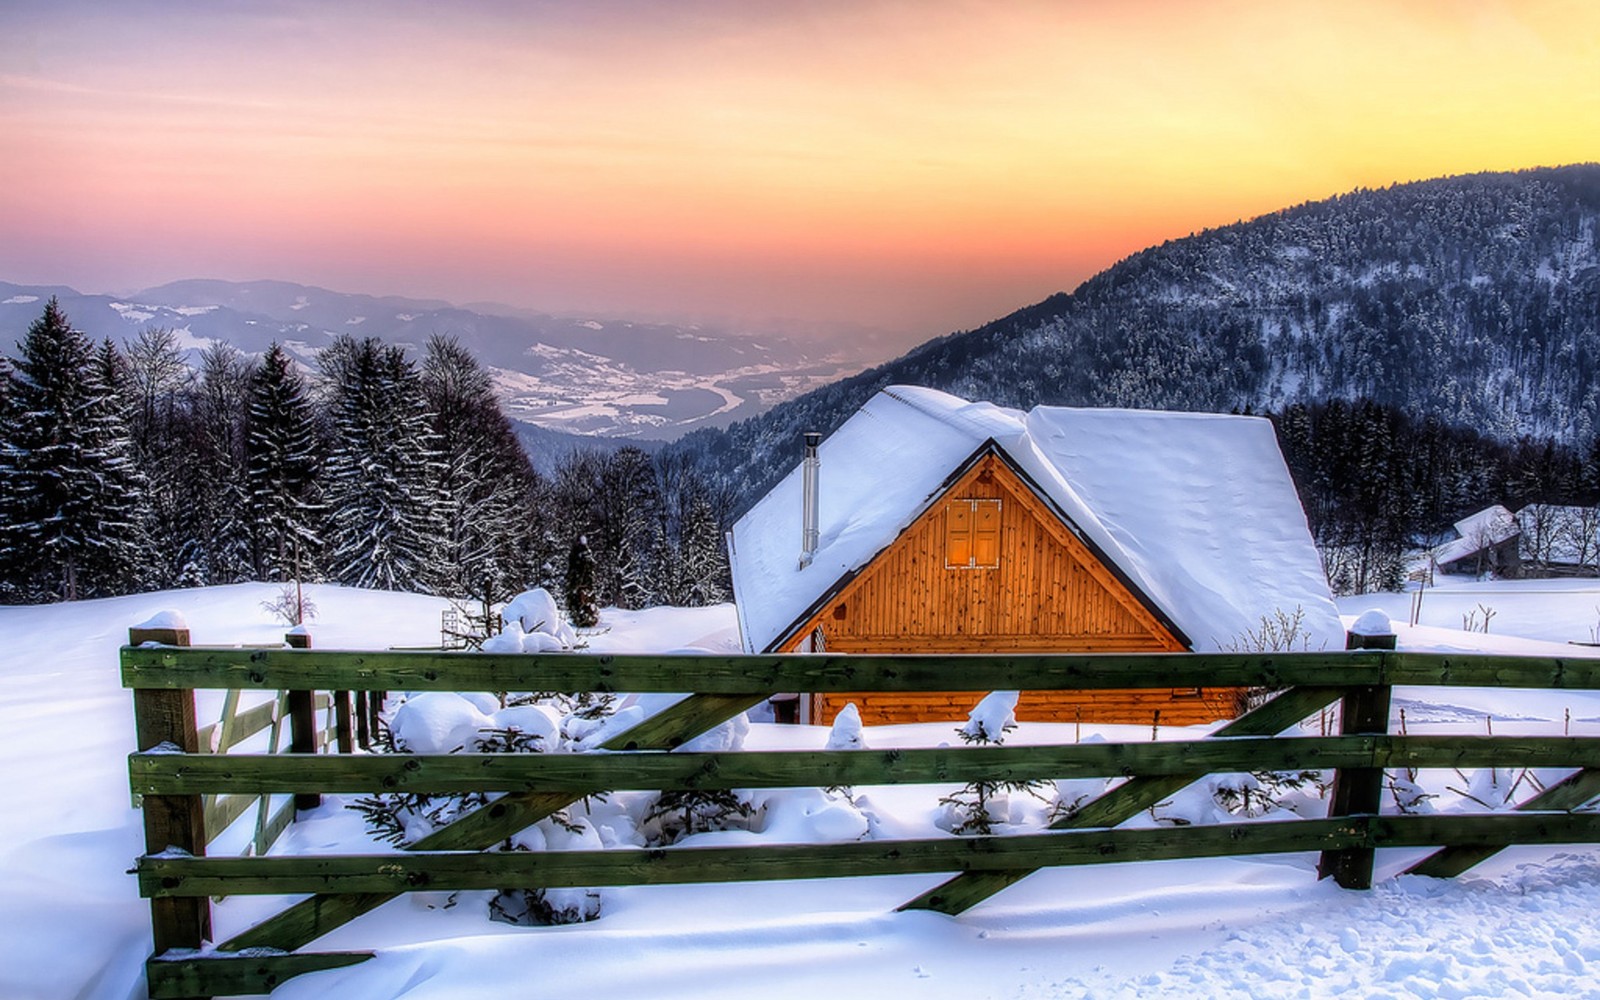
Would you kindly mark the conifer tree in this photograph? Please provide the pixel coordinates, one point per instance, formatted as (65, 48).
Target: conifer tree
(63, 458)
(120, 561)
(382, 519)
(12, 562)
(486, 485)
(220, 533)
(281, 470)
(582, 610)
(158, 420)
(623, 509)
(705, 555)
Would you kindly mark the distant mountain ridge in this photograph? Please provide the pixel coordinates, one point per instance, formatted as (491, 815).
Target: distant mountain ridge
(1474, 298)
(573, 375)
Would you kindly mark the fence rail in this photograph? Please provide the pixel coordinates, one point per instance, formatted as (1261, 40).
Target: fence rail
(176, 779)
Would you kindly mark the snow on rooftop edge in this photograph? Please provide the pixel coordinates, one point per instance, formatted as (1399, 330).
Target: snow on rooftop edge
(1198, 510)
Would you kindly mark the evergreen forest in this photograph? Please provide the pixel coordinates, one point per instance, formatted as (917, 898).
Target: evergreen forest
(130, 471)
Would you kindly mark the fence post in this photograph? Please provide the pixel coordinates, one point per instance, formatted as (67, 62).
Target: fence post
(1358, 791)
(302, 721)
(171, 821)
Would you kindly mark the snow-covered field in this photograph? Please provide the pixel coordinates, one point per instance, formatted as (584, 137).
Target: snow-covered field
(1527, 924)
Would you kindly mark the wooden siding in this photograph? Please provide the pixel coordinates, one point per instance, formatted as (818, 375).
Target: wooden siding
(1048, 593)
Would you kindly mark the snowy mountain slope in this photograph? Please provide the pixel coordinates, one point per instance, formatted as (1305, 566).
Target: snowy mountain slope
(577, 375)
(72, 925)
(1473, 299)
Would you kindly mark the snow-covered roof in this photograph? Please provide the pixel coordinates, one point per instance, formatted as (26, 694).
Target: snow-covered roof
(1197, 511)
(1488, 527)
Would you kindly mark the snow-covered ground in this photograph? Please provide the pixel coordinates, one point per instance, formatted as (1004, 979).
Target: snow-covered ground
(72, 924)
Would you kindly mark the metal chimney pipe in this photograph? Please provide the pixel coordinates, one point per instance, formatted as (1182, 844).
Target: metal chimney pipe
(810, 469)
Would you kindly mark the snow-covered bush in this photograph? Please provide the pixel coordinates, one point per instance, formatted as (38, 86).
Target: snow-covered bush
(443, 722)
(532, 624)
(1259, 792)
(979, 806)
(1409, 797)
(683, 812)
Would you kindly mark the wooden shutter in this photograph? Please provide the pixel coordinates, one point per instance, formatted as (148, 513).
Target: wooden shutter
(972, 534)
(986, 534)
(958, 534)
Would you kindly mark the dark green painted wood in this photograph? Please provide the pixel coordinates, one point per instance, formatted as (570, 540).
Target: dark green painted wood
(245, 725)
(1130, 798)
(220, 975)
(684, 721)
(178, 774)
(481, 829)
(413, 871)
(1357, 790)
(1490, 670)
(417, 871)
(222, 811)
(172, 667)
(1572, 792)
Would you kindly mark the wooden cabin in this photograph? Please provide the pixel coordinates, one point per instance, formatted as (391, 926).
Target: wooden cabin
(947, 526)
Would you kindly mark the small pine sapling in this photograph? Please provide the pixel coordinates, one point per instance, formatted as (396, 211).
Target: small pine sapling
(971, 810)
(845, 734)
(679, 813)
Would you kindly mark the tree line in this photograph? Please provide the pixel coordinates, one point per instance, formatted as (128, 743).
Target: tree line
(1376, 482)
(129, 471)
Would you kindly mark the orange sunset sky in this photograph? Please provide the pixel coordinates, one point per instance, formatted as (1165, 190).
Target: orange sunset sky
(917, 167)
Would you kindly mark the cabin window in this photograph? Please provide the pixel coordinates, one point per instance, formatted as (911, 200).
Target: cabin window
(972, 534)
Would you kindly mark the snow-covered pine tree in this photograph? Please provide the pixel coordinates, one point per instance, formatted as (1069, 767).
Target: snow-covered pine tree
(282, 469)
(382, 506)
(120, 561)
(582, 610)
(624, 509)
(705, 555)
(12, 562)
(60, 460)
(214, 494)
(486, 485)
(162, 390)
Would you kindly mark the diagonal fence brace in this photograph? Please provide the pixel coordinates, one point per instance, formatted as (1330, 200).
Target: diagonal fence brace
(481, 829)
(1128, 799)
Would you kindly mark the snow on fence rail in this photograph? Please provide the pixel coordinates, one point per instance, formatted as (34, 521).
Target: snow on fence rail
(173, 775)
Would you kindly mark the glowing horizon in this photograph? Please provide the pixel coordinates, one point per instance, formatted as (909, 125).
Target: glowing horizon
(915, 167)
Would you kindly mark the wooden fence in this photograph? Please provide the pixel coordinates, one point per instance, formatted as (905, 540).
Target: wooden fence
(174, 777)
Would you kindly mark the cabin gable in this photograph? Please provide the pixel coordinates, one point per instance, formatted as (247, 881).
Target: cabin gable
(987, 566)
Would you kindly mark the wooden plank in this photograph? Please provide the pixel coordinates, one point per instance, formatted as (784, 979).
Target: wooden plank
(303, 731)
(226, 975)
(1492, 670)
(343, 724)
(246, 724)
(1572, 792)
(1130, 798)
(261, 843)
(272, 825)
(172, 821)
(179, 774)
(449, 871)
(166, 667)
(222, 811)
(1357, 791)
(481, 829)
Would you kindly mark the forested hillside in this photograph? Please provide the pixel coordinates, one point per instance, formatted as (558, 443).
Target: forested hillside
(122, 472)
(1471, 300)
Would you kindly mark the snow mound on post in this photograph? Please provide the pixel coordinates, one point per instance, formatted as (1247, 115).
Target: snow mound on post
(1372, 622)
(164, 619)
